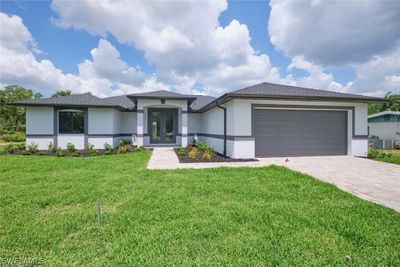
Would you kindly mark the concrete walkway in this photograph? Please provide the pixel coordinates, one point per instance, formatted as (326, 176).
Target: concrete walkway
(371, 180)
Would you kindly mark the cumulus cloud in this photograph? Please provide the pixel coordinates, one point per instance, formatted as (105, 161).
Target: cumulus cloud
(334, 33)
(105, 74)
(183, 40)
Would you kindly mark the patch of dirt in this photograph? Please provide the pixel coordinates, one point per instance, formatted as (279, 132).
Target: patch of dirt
(216, 158)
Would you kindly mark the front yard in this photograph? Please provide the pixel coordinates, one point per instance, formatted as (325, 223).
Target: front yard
(227, 216)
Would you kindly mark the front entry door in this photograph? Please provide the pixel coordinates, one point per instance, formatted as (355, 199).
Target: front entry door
(162, 126)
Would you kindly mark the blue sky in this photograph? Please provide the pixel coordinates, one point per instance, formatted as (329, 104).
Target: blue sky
(276, 51)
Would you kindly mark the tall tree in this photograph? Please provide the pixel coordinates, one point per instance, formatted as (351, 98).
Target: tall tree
(12, 117)
(61, 93)
(392, 104)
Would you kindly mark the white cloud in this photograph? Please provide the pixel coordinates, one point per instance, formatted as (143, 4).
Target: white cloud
(106, 74)
(334, 32)
(183, 40)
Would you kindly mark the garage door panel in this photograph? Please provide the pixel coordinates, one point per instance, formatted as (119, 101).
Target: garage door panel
(300, 132)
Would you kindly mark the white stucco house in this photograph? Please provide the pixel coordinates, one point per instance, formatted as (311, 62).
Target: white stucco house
(264, 120)
(385, 125)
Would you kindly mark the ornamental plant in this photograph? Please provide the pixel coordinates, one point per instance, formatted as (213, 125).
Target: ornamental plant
(32, 148)
(193, 153)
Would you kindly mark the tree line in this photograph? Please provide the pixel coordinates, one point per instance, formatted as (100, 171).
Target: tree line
(12, 118)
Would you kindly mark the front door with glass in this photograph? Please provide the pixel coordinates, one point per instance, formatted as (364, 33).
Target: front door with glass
(162, 125)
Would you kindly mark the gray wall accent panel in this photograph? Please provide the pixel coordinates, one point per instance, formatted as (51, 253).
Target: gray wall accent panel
(299, 132)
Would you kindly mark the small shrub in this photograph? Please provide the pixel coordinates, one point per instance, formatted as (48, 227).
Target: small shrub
(52, 148)
(373, 153)
(60, 152)
(381, 154)
(202, 146)
(21, 146)
(125, 142)
(26, 152)
(389, 155)
(193, 153)
(181, 151)
(71, 148)
(10, 148)
(108, 149)
(207, 155)
(17, 137)
(90, 149)
(42, 153)
(32, 147)
(76, 153)
(124, 149)
(140, 148)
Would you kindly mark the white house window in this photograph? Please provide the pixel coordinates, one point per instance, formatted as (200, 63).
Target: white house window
(71, 122)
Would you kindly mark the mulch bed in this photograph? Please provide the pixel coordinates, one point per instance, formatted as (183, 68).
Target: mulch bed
(67, 153)
(216, 158)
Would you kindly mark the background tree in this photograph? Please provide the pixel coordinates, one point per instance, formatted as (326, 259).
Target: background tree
(61, 93)
(12, 118)
(392, 104)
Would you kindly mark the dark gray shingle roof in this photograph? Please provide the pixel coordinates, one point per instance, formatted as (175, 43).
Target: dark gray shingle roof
(201, 101)
(162, 94)
(84, 100)
(121, 100)
(286, 91)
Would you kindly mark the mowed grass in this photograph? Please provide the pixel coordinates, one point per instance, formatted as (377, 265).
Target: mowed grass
(228, 216)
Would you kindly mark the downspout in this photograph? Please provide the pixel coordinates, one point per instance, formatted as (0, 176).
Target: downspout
(224, 109)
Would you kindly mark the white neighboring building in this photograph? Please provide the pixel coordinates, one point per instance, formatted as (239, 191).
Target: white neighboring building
(264, 120)
(385, 125)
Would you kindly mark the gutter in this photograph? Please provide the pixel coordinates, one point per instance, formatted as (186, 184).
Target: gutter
(224, 109)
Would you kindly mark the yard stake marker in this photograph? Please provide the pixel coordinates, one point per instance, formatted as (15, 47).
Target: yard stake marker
(98, 212)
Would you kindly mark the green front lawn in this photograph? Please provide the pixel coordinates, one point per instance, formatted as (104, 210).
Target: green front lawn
(228, 216)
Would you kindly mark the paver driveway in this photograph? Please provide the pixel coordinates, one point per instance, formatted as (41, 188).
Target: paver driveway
(368, 179)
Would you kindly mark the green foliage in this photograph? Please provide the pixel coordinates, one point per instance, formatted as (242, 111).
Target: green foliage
(393, 104)
(207, 155)
(90, 149)
(122, 149)
(71, 148)
(140, 148)
(201, 146)
(10, 148)
(52, 148)
(12, 118)
(20, 146)
(76, 153)
(125, 142)
(373, 153)
(42, 153)
(17, 137)
(26, 152)
(181, 151)
(108, 149)
(193, 153)
(32, 147)
(60, 152)
(61, 93)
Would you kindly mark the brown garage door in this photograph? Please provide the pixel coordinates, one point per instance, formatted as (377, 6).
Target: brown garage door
(299, 132)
